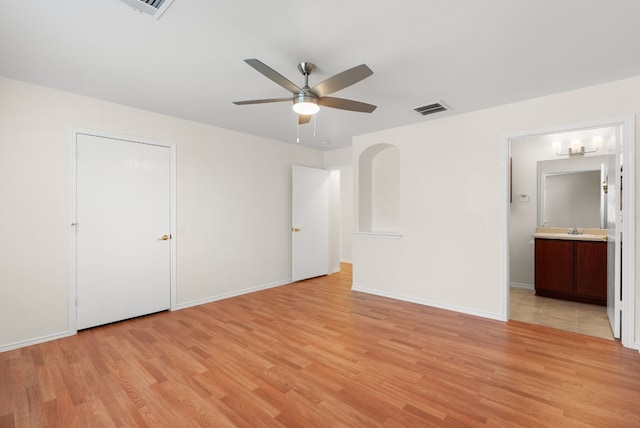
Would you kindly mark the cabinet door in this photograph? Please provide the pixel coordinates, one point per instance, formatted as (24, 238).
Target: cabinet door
(554, 265)
(591, 269)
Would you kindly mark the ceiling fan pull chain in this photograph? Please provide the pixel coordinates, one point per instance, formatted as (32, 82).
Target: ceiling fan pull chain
(297, 131)
(315, 122)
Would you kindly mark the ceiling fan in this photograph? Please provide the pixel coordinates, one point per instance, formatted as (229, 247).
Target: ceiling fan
(306, 100)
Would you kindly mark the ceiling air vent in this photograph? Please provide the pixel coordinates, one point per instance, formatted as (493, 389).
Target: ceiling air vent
(154, 8)
(431, 108)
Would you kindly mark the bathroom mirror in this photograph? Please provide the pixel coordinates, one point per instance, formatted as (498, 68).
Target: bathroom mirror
(570, 192)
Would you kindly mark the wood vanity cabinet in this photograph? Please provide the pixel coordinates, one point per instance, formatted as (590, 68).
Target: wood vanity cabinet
(571, 270)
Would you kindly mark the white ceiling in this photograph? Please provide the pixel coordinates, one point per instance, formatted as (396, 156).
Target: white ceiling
(469, 54)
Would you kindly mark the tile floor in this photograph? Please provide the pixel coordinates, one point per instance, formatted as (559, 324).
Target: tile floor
(562, 314)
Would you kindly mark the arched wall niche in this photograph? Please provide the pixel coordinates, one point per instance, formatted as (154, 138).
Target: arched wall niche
(379, 189)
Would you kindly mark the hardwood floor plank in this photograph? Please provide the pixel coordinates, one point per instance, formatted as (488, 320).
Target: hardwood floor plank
(293, 410)
(123, 411)
(315, 353)
(6, 393)
(191, 406)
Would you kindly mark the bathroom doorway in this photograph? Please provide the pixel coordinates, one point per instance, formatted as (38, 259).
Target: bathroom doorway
(561, 146)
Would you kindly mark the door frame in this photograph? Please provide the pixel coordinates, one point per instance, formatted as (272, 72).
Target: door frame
(73, 286)
(628, 140)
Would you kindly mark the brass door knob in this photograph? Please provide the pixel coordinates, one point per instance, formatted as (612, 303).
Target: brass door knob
(164, 237)
(295, 229)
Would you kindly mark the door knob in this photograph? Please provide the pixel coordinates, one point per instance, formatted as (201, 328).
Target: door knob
(164, 237)
(295, 229)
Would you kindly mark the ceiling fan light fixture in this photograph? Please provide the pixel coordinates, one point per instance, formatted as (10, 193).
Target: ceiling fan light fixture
(305, 104)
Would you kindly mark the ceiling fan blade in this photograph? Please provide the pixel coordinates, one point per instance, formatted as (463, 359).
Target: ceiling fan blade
(303, 118)
(343, 104)
(342, 80)
(274, 75)
(269, 100)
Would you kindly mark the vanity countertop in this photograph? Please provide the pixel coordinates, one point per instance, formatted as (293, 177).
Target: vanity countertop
(586, 234)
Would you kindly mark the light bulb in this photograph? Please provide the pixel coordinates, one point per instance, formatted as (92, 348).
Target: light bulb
(576, 146)
(597, 142)
(306, 108)
(305, 104)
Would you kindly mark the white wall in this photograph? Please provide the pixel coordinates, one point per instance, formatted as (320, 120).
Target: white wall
(453, 199)
(346, 220)
(385, 184)
(340, 160)
(524, 208)
(233, 204)
(335, 216)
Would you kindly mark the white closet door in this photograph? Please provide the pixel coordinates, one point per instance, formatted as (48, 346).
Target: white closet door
(123, 213)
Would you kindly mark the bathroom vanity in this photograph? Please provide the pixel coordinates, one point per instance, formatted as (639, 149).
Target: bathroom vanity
(571, 266)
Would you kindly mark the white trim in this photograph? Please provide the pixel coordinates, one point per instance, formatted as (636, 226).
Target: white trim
(346, 261)
(627, 124)
(34, 341)
(174, 231)
(430, 303)
(382, 235)
(73, 286)
(505, 217)
(229, 295)
(628, 323)
(72, 324)
(600, 123)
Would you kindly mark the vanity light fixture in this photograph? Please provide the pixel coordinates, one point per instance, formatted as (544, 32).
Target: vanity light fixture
(577, 149)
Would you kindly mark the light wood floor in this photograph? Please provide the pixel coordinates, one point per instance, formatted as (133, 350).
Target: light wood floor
(563, 314)
(315, 354)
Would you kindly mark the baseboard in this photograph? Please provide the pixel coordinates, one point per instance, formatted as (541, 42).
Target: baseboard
(425, 302)
(34, 341)
(334, 270)
(229, 295)
(521, 285)
(346, 261)
(60, 335)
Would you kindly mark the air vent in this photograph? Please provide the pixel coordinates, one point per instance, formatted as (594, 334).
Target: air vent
(431, 108)
(154, 8)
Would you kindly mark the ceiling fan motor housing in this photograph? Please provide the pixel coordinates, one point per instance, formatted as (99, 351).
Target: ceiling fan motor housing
(305, 98)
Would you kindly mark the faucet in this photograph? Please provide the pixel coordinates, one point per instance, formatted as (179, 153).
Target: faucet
(575, 231)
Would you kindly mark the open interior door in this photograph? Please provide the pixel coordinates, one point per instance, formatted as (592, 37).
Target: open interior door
(614, 233)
